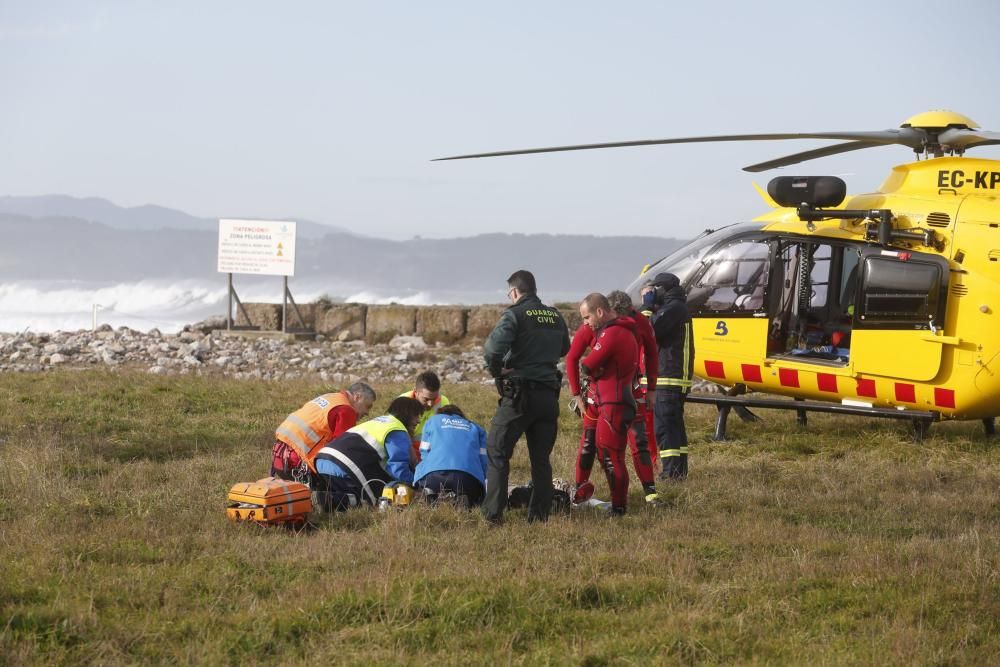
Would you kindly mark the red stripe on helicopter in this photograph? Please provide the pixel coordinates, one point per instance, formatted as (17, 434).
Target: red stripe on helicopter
(906, 392)
(866, 388)
(751, 373)
(944, 398)
(789, 377)
(827, 382)
(715, 369)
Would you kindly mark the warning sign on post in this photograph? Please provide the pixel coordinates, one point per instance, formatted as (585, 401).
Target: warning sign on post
(264, 247)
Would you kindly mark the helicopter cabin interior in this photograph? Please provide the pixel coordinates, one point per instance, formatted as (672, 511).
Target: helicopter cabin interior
(817, 293)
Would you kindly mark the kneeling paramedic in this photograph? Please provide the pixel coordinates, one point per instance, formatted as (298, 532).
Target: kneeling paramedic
(452, 456)
(356, 466)
(310, 428)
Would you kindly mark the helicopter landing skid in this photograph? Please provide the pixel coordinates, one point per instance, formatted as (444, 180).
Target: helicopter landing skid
(920, 419)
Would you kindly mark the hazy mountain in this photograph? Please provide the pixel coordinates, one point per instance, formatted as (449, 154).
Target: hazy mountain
(148, 217)
(71, 248)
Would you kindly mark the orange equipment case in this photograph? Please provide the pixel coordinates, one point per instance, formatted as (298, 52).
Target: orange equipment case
(269, 501)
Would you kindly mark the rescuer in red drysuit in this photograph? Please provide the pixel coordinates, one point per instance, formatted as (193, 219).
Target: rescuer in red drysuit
(641, 436)
(642, 447)
(612, 364)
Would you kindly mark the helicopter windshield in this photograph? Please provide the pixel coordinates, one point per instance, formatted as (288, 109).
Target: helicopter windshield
(684, 261)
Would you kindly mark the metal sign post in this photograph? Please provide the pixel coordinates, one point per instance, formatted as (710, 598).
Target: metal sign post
(262, 247)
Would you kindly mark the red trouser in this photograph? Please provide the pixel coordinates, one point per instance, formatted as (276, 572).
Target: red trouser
(639, 438)
(613, 425)
(587, 451)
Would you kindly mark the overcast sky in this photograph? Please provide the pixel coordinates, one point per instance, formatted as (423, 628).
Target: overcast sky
(331, 111)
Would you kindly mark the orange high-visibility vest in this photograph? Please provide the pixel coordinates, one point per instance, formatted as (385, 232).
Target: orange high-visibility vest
(307, 430)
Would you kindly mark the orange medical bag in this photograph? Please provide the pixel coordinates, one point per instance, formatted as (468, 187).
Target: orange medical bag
(269, 501)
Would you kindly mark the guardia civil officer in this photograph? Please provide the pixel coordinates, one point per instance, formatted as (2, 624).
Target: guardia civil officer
(521, 354)
(675, 348)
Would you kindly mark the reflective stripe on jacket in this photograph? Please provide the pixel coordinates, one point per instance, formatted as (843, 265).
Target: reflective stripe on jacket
(375, 431)
(307, 429)
(365, 445)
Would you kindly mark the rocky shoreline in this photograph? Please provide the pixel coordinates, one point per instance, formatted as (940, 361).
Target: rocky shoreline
(202, 349)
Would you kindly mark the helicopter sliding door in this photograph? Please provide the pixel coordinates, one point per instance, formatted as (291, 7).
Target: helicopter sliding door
(899, 302)
(812, 312)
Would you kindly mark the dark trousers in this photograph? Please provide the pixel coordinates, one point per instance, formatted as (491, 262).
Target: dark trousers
(536, 416)
(458, 482)
(339, 494)
(671, 435)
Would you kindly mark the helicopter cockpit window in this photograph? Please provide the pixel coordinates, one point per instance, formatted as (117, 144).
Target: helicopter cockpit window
(734, 280)
(686, 261)
(897, 293)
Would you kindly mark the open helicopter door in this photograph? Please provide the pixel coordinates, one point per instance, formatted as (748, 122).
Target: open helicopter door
(899, 304)
(811, 314)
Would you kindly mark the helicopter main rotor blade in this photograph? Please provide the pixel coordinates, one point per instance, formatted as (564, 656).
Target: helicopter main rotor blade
(904, 136)
(962, 138)
(795, 158)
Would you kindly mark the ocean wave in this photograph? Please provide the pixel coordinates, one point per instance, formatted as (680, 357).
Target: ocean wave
(69, 306)
(46, 306)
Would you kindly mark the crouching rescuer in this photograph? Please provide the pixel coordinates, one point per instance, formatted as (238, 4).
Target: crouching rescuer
(310, 428)
(356, 466)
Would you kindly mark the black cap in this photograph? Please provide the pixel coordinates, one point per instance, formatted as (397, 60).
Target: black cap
(666, 280)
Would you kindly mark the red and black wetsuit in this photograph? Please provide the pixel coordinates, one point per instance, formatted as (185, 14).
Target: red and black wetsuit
(583, 339)
(641, 443)
(613, 363)
(641, 437)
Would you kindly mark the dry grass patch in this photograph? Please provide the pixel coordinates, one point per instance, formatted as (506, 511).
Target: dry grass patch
(840, 543)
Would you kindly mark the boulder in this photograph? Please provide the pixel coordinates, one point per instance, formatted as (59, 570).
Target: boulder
(264, 316)
(481, 320)
(443, 324)
(343, 322)
(408, 343)
(383, 323)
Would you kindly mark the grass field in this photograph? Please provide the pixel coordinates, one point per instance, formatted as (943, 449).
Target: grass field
(841, 543)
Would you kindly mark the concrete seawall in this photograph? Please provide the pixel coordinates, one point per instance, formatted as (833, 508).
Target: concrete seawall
(380, 324)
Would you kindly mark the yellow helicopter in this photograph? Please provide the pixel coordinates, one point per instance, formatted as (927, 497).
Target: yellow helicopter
(880, 304)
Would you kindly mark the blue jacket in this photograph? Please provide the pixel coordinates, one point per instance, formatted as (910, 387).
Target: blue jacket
(452, 443)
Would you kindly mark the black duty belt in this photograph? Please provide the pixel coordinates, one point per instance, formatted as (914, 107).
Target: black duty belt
(550, 385)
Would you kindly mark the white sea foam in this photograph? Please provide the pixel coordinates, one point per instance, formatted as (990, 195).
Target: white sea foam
(45, 306)
(68, 306)
(376, 297)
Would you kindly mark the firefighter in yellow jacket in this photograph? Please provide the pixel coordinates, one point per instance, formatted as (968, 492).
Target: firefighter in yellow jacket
(307, 430)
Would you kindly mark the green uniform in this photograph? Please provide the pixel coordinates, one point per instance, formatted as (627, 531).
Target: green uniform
(524, 348)
(530, 338)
